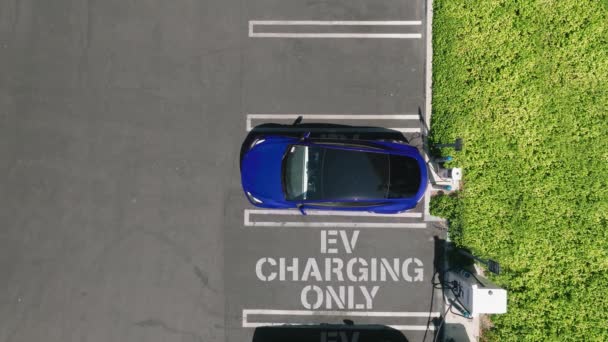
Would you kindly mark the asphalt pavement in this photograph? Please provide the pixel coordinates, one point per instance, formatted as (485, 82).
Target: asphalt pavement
(121, 212)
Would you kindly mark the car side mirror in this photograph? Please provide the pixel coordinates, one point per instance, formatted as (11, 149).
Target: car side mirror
(301, 208)
(297, 120)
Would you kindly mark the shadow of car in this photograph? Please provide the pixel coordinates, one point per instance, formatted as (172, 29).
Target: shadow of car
(328, 333)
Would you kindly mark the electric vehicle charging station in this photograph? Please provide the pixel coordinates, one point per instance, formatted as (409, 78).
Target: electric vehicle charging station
(476, 294)
(445, 179)
(467, 294)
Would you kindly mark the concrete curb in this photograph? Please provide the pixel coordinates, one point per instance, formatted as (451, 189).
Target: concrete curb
(471, 327)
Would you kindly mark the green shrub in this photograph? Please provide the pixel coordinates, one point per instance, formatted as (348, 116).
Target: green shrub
(525, 83)
(450, 208)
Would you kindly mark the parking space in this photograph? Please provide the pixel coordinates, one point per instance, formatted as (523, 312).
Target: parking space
(404, 123)
(327, 267)
(324, 75)
(351, 64)
(333, 76)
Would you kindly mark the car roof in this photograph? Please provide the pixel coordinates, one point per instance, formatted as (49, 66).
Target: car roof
(360, 172)
(354, 174)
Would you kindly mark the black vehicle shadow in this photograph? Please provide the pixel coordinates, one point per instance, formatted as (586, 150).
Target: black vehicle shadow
(447, 258)
(439, 269)
(321, 131)
(328, 333)
(456, 332)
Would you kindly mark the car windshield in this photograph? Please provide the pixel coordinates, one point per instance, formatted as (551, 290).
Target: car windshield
(319, 173)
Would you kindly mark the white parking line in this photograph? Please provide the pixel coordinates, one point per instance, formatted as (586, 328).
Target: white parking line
(337, 225)
(425, 314)
(247, 312)
(251, 117)
(396, 327)
(247, 222)
(405, 130)
(325, 213)
(337, 35)
(337, 22)
(253, 34)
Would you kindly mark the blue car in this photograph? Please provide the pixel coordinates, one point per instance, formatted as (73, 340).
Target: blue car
(282, 171)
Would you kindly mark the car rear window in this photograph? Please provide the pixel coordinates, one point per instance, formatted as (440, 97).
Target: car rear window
(405, 177)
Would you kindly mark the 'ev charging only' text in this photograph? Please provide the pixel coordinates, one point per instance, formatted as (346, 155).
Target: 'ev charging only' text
(356, 272)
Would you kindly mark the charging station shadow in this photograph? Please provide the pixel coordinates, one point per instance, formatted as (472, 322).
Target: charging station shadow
(448, 257)
(328, 333)
(456, 332)
(439, 267)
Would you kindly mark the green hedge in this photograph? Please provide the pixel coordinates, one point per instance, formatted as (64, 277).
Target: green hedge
(525, 84)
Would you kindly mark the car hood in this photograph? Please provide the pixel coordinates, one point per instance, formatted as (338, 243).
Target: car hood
(261, 171)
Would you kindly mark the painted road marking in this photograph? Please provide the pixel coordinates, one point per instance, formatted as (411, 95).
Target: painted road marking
(393, 314)
(337, 22)
(253, 23)
(337, 225)
(325, 213)
(251, 117)
(247, 221)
